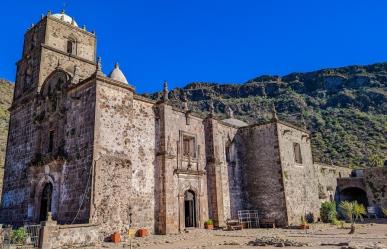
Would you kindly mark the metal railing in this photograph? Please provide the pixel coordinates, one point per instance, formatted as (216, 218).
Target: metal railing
(249, 218)
(33, 234)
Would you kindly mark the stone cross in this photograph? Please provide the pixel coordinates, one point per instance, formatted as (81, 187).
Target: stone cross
(185, 102)
(230, 112)
(99, 64)
(165, 92)
(211, 108)
(274, 113)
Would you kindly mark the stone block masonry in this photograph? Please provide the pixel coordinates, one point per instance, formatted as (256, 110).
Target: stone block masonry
(262, 172)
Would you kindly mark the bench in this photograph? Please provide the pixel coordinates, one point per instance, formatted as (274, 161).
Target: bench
(233, 225)
(270, 223)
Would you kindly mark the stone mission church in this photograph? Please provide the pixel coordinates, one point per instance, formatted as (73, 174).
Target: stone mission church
(85, 147)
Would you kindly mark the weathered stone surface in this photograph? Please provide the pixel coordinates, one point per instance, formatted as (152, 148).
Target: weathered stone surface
(327, 180)
(301, 199)
(124, 156)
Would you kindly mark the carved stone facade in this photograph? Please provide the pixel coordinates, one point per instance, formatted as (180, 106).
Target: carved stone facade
(90, 150)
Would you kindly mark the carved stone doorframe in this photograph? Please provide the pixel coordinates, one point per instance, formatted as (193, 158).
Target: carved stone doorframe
(181, 202)
(46, 179)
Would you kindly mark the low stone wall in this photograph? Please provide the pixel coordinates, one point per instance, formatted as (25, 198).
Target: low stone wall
(75, 235)
(376, 186)
(327, 179)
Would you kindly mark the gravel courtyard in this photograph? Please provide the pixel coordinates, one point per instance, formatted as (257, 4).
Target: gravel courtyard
(318, 236)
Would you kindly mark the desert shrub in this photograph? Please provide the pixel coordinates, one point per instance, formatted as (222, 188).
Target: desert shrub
(18, 236)
(336, 222)
(328, 212)
(353, 211)
(384, 211)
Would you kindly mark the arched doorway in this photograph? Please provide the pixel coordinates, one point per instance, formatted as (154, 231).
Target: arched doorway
(353, 194)
(45, 202)
(190, 208)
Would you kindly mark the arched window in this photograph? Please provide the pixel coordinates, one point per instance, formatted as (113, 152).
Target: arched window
(297, 153)
(72, 47)
(229, 151)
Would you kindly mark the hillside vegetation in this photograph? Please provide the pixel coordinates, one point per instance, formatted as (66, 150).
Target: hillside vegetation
(344, 108)
(6, 91)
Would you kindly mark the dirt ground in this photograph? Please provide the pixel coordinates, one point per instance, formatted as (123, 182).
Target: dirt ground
(367, 236)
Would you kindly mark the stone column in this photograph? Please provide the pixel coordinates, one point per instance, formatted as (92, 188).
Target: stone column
(214, 178)
(181, 213)
(47, 231)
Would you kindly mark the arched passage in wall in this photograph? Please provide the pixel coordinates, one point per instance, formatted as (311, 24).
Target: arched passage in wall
(45, 201)
(353, 194)
(190, 208)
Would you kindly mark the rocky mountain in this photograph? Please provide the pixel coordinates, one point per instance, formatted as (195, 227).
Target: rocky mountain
(344, 108)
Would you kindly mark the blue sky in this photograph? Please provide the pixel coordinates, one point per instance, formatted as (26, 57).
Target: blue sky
(213, 41)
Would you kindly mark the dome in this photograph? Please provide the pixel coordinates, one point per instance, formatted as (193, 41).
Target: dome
(116, 74)
(62, 16)
(233, 121)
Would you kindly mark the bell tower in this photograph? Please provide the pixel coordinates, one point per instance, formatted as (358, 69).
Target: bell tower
(56, 40)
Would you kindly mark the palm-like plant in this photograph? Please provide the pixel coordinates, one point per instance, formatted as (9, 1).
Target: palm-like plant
(384, 210)
(353, 211)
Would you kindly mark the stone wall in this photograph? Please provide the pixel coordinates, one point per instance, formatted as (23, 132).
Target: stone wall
(45, 47)
(300, 179)
(76, 179)
(376, 186)
(258, 150)
(27, 72)
(124, 155)
(28, 164)
(327, 180)
(223, 172)
(71, 236)
(50, 60)
(22, 135)
(59, 32)
(54, 51)
(21, 141)
(67, 167)
(178, 173)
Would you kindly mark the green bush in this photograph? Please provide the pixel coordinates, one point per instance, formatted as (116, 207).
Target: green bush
(209, 222)
(19, 236)
(328, 212)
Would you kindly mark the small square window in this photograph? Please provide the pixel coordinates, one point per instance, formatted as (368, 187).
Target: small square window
(71, 47)
(50, 141)
(189, 146)
(297, 153)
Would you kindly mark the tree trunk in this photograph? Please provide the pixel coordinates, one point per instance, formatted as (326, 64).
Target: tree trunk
(352, 228)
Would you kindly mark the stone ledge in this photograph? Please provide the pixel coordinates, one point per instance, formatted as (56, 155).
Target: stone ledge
(188, 172)
(68, 226)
